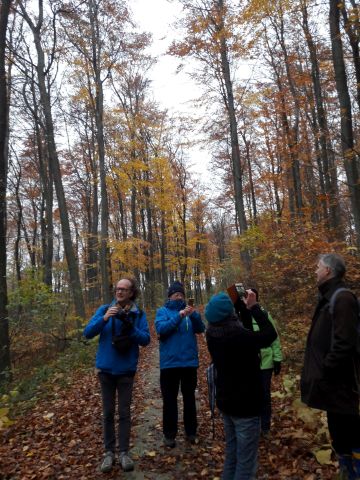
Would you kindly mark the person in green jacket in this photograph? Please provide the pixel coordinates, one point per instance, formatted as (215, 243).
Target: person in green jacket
(271, 358)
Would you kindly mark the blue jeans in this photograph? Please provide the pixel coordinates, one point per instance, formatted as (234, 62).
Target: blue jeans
(242, 439)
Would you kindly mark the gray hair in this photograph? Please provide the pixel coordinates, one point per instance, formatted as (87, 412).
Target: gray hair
(335, 262)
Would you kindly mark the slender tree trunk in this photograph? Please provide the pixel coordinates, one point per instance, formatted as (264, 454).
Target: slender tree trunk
(230, 105)
(75, 283)
(352, 30)
(163, 251)
(347, 134)
(99, 118)
(292, 131)
(322, 134)
(4, 133)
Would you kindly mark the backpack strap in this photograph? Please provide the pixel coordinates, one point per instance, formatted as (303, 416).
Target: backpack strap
(332, 306)
(333, 298)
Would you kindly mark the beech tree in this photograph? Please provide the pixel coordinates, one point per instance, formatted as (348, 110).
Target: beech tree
(44, 84)
(4, 133)
(206, 40)
(350, 157)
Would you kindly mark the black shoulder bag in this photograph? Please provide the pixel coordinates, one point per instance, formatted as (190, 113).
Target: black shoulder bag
(122, 342)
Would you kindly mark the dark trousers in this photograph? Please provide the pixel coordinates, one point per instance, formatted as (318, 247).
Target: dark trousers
(266, 410)
(123, 385)
(170, 380)
(344, 432)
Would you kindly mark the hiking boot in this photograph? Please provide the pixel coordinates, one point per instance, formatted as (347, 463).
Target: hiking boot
(169, 442)
(126, 462)
(107, 463)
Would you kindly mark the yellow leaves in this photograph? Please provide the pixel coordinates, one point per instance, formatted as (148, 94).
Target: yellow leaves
(130, 253)
(308, 415)
(323, 456)
(151, 454)
(4, 419)
(48, 416)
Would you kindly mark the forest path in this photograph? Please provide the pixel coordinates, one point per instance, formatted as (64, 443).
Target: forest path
(61, 437)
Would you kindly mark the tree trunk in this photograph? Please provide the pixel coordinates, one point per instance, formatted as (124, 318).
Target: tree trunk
(322, 135)
(54, 164)
(99, 119)
(230, 106)
(4, 132)
(347, 135)
(352, 30)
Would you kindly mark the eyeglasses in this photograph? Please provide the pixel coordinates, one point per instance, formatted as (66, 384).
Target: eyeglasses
(121, 290)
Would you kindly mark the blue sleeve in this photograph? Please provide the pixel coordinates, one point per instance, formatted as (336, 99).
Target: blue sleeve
(96, 324)
(140, 333)
(197, 323)
(165, 323)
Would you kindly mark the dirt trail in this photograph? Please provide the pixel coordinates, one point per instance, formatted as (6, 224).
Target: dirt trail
(153, 460)
(61, 437)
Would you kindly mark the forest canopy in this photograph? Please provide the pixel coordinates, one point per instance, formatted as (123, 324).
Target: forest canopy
(94, 175)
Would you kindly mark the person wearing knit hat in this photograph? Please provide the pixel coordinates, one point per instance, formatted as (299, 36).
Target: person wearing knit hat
(176, 287)
(219, 307)
(234, 350)
(177, 324)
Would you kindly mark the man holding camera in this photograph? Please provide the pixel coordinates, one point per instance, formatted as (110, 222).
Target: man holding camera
(177, 324)
(122, 327)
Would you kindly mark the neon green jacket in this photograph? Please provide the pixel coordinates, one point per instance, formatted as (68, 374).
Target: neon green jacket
(272, 353)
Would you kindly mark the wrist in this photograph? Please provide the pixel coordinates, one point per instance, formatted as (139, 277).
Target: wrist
(250, 307)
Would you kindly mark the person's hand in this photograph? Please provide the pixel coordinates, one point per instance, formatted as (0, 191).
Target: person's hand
(111, 312)
(277, 367)
(188, 310)
(250, 299)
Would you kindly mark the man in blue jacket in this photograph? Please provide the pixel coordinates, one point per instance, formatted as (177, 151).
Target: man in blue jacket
(122, 327)
(177, 325)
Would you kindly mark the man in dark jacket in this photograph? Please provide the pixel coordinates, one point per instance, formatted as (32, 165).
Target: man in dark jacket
(235, 353)
(328, 380)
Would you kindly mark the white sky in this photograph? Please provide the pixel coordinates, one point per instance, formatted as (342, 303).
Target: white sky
(174, 92)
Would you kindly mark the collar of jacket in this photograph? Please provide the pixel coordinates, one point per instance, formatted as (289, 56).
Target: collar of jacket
(225, 328)
(327, 288)
(175, 304)
(132, 306)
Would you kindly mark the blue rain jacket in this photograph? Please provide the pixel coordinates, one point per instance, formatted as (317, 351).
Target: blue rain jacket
(178, 344)
(108, 359)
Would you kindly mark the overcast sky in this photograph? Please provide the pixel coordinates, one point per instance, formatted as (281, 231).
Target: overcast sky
(157, 16)
(172, 91)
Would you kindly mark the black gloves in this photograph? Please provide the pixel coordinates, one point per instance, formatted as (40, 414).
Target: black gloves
(277, 367)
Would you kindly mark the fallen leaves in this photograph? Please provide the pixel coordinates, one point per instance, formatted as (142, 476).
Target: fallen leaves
(61, 438)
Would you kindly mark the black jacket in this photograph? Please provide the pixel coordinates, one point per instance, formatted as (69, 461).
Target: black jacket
(327, 380)
(235, 353)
